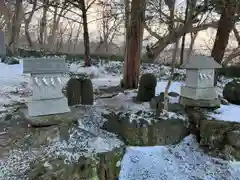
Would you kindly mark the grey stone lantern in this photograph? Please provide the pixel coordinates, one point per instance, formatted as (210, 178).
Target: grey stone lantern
(46, 73)
(199, 87)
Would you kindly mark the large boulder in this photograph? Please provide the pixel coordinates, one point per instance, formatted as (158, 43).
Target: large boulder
(219, 138)
(147, 85)
(231, 92)
(143, 129)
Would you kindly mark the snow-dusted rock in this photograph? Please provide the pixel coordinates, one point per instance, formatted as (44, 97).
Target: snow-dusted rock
(214, 133)
(143, 129)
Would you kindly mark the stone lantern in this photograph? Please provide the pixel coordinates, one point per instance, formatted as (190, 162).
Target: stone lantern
(199, 87)
(46, 74)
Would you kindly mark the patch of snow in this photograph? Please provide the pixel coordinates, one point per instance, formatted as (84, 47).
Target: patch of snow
(87, 139)
(106, 80)
(123, 101)
(175, 86)
(171, 115)
(92, 71)
(183, 161)
(226, 113)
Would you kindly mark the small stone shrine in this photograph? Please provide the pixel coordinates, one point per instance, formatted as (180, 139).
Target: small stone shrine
(199, 87)
(47, 97)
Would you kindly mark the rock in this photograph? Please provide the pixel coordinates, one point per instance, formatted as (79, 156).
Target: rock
(173, 94)
(231, 92)
(73, 91)
(146, 90)
(87, 92)
(12, 60)
(144, 130)
(233, 138)
(155, 100)
(230, 153)
(102, 166)
(218, 137)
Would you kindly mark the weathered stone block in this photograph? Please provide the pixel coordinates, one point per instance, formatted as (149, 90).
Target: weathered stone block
(141, 132)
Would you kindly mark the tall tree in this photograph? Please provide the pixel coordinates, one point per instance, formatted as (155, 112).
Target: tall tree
(134, 44)
(84, 7)
(27, 20)
(225, 26)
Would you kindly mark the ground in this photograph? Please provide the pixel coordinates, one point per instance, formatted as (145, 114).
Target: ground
(185, 160)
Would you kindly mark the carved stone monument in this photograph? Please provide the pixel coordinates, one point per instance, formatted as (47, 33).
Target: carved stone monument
(47, 85)
(199, 87)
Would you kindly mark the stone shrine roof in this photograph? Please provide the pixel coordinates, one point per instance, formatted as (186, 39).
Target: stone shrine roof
(201, 62)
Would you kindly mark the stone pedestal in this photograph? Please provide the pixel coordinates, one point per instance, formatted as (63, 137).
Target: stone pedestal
(47, 106)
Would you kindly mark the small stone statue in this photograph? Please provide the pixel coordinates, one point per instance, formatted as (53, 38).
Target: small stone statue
(147, 85)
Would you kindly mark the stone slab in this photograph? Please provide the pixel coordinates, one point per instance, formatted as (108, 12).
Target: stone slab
(48, 120)
(200, 93)
(44, 65)
(199, 103)
(46, 91)
(47, 107)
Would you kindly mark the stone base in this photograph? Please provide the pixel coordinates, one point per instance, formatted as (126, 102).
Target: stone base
(47, 107)
(200, 102)
(55, 119)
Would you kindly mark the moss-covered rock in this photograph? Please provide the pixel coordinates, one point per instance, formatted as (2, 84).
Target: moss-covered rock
(146, 131)
(231, 92)
(100, 166)
(219, 138)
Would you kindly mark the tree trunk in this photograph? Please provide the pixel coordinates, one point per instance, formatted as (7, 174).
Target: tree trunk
(16, 25)
(174, 58)
(43, 24)
(193, 38)
(134, 43)
(225, 26)
(87, 58)
(27, 21)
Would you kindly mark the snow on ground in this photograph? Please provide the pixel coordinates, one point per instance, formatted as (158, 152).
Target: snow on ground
(184, 161)
(227, 113)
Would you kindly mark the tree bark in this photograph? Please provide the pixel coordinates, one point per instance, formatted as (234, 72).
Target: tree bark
(225, 26)
(43, 24)
(134, 43)
(16, 26)
(27, 21)
(87, 58)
